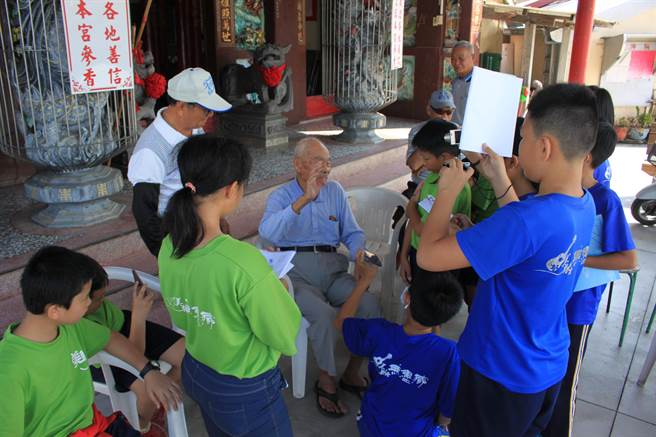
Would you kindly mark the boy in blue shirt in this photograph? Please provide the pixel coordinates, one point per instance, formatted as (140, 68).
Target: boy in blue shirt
(618, 254)
(414, 373)
(529, 256)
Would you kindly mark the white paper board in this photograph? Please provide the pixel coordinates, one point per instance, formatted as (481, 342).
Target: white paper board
(491, 112)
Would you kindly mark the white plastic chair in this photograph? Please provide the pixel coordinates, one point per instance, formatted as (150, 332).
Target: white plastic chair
(127, 402)
(299, 361)
(373, 209)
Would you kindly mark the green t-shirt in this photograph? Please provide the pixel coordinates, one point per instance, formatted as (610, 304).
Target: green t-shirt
(462, 205)
(46, 387)
(108, 315)
(483, 200)
(237, 315)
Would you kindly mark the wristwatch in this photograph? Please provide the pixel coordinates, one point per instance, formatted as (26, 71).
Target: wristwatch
(151, 365)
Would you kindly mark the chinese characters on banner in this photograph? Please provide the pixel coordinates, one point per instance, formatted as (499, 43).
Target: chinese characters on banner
(98, 45)
(397, 34)
(226, 22)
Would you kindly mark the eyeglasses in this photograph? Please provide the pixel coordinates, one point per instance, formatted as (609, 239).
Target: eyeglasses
(442, 111)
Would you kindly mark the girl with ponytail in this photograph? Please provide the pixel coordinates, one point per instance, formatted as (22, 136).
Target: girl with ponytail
(237, 315)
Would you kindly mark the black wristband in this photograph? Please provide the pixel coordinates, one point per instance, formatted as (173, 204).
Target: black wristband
(151, 365)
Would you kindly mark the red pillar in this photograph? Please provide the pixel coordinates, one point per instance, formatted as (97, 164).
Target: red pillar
(581, 42)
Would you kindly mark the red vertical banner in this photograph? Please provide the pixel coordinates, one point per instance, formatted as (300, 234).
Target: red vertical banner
(300, 21)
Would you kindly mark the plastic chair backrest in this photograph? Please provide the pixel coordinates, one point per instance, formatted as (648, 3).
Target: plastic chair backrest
(373, 209)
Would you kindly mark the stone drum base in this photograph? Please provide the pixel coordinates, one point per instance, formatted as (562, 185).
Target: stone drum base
(78, 198)
(359, 128)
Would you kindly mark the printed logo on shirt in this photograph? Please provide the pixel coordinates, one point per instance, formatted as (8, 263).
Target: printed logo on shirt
(395, 370)
(564, 263)
(204, 318)
(79, 360)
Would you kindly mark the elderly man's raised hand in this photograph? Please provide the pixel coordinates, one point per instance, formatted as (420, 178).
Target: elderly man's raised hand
(314, 184)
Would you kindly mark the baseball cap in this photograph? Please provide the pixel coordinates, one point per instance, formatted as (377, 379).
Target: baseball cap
(441, 99)
(431, 137)
(195, 85)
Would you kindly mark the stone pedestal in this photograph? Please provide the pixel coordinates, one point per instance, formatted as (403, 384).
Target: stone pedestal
(359, 128)
(260, 130)
(78, 198)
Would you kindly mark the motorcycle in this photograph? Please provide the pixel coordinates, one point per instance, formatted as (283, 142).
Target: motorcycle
(643, 208)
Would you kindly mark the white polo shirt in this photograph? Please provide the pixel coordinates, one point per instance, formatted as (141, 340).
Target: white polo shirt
(154, 161)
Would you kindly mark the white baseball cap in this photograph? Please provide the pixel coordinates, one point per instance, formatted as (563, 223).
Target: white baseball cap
(195, 85)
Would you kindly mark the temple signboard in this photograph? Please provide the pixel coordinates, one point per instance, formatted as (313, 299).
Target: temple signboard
(98, 45)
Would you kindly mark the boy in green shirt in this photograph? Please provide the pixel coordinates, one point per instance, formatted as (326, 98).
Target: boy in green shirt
(43, 359)
(435, 149)
(151, 339)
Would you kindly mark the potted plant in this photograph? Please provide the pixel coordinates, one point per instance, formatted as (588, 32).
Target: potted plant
(640, 125)
(622, 128)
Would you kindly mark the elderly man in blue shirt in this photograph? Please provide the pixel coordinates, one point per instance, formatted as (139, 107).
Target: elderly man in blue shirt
(462, 60)
(312, 216)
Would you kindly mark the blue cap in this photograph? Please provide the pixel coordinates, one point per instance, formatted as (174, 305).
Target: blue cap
(441, 99)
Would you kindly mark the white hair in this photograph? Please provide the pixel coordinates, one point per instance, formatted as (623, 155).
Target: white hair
(464, 44)
(302, 145)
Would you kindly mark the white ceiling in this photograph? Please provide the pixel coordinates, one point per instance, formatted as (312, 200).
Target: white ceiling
(611, 10)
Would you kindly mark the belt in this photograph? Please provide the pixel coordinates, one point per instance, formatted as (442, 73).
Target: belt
(324, 248)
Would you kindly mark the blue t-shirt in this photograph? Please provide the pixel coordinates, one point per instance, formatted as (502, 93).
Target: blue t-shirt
(603, 173)
(413, 378)
(529, 256)
(616, 237)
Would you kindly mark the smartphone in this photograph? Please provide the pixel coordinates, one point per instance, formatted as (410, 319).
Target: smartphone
(372, 258)
(136, 277)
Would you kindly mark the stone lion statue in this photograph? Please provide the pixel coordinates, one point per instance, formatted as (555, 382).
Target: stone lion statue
(264, 87)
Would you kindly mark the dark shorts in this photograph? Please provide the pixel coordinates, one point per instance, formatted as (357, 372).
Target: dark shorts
(485, 408)
(158, 340)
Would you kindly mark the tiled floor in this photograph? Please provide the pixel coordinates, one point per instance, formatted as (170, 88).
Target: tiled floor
(609, 401)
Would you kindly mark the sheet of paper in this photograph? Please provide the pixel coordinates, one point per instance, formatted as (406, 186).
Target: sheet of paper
(280, 262)
(491, 112)
(427, 203)
(595, 277)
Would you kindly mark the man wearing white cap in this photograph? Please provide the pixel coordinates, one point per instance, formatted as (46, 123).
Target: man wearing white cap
(153, 167)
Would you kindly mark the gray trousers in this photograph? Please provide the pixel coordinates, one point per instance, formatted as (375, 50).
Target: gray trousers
(322, 283)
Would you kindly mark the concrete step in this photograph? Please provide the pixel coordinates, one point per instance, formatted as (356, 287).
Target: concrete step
(118, 242)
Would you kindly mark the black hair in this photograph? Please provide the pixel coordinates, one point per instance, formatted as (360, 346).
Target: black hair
(209, 163)
(100, 278)
(53, 276)
(430, 138)
(568, 112)
(605, 144)
(435, 297)
(605, 107)
(518, 135)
